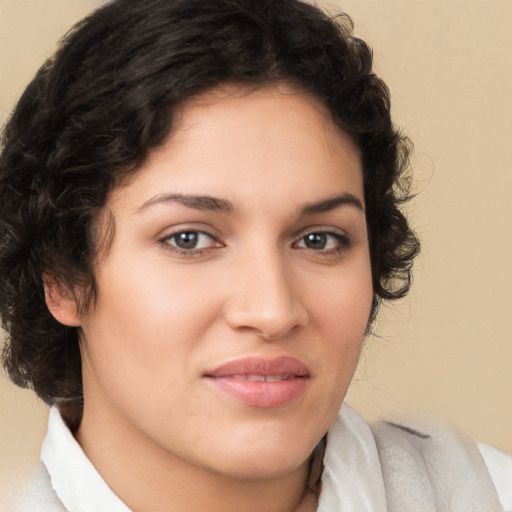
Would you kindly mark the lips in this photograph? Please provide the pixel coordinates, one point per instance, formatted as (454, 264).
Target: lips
(264, 378)
(260, 382)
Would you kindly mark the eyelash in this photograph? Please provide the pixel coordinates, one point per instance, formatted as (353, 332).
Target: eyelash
(342, 242)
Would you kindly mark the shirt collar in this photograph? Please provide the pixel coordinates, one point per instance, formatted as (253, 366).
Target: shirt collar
(352, 477)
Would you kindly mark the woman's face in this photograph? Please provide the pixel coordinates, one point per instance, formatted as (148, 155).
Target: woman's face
(236, 293)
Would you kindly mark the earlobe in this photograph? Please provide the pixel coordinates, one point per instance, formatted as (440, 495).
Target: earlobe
(61, 302)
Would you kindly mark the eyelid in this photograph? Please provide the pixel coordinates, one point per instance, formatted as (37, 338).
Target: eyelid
(199, 227)
(329, 230)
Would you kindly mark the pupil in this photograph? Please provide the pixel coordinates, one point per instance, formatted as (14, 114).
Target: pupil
(187, 240)
(316, 241)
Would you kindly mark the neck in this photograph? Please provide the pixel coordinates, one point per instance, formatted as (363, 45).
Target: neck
(148, 478)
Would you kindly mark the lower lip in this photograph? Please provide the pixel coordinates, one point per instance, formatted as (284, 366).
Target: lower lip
(262, 394)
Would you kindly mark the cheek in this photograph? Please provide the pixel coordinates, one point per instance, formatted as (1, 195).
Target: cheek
(156, 297)
(343, 302)
(340, 321)
(342, 311)
(144, 327)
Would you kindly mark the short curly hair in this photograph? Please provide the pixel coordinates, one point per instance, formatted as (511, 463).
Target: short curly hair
(94, 111)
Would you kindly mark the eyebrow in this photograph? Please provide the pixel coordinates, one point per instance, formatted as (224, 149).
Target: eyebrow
(191, 201)
(331, 203)
(216, 204)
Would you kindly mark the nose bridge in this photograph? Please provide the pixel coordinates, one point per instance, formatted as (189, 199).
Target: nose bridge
(263, 296)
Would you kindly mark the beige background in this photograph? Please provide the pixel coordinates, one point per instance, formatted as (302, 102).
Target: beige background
(447, 349)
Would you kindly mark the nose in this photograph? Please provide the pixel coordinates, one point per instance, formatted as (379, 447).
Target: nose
(264, 297)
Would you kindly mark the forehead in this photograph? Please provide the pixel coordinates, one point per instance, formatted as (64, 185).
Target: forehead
(279, 113)
(246, 143)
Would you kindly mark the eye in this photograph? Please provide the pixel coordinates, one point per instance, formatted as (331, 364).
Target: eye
(189, 241)
(323, 241)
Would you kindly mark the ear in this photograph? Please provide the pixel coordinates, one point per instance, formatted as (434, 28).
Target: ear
(61, 302)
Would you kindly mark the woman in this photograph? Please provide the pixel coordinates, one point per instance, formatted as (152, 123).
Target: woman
(199, 219)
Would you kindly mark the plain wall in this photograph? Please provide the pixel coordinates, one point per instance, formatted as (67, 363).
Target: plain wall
(447, 349)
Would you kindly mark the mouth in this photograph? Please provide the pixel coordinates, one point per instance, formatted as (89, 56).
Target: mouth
(260, 382)
(264, 378)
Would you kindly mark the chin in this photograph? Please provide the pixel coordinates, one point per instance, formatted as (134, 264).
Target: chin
(271, 448)
(270, 460)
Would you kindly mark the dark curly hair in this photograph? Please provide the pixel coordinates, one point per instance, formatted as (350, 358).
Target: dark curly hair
(96, 109)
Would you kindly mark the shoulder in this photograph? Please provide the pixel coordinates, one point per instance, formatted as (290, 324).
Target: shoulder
(427, 462)
(37, 494)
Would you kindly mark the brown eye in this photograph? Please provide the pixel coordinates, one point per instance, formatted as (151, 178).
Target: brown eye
(316, 241)
(186, 240)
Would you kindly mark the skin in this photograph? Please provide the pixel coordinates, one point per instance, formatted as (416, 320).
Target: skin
(154, 427)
